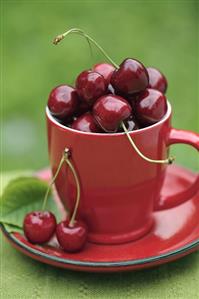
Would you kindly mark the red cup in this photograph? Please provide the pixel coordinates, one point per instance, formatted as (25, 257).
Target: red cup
(119, 190)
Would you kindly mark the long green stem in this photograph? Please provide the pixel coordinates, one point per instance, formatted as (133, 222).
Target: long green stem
(58, 38)
(169, 160)
(52, 182)
(72, 220)
(65, 158)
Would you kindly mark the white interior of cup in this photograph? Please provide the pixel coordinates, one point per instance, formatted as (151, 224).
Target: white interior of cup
(52, 119)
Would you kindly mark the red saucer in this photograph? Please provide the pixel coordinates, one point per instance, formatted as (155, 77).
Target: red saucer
(174, 235)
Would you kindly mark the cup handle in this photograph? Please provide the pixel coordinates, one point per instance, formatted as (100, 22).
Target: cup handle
(190, 138)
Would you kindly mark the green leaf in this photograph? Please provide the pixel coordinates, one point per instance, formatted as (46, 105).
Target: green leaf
(6, 177)
(21, 196)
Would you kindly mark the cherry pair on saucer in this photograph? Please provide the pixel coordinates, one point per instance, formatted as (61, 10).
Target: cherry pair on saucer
(175, 234)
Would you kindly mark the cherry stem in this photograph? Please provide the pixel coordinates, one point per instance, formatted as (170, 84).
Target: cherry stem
(169, 160)
(51, 183)
(58, 38)
(65, 158)
(72, 220)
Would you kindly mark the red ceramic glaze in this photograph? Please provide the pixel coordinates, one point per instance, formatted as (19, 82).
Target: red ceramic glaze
(175, 233)
(118, 188)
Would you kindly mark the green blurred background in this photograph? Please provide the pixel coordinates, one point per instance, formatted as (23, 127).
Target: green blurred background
(159, 33)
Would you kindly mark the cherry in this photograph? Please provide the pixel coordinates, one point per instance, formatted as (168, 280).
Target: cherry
(39, 226)
(63, 101)
(130, 78)
(157, 80)
(150, 107)
(110, 110)
(104, 69)
(71, 238)
(86, 123)
(90, 86)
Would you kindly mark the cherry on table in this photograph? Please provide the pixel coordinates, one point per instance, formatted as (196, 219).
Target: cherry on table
(104, 69)
(86, 123)
(110, 111)
(157, 80)
(39, 226)
(63, 101)
(71, 238)
(150, 107)
(131, 77)
(90, 85)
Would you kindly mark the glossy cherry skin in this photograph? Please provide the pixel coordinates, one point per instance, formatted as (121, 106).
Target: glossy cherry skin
(90, 86)
(39, 226)
(150, 107)
(63, 101)
(130, 78)
(157, 80)
(71, 239)
(110, 111)
(86, 123)
(104, 69)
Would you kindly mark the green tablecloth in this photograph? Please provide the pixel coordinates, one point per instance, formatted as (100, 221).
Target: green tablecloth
(24, 278)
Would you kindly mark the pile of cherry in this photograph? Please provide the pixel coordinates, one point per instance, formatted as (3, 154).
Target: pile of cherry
(106, 96)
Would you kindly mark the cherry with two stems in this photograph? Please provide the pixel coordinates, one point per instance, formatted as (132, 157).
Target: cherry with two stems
(39, 226)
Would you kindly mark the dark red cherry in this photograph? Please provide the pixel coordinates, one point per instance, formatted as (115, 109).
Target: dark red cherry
(157, 80)
(104, 69)
(39, 226)
(130, 78)
(63, 101)
(90, 86)
(150, 107)
(110, 111)
(71, 239)
(86, 123)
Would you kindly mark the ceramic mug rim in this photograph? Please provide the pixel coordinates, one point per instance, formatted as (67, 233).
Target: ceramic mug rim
(54, 121)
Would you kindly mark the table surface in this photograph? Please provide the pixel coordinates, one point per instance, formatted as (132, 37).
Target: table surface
(22, 277)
